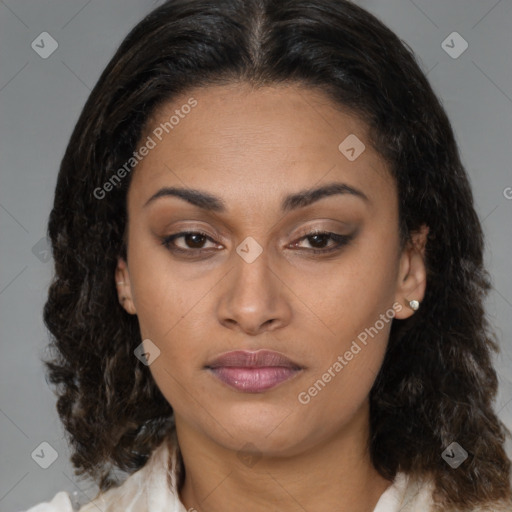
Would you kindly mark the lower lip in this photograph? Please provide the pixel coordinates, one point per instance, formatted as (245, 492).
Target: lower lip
(253, 380)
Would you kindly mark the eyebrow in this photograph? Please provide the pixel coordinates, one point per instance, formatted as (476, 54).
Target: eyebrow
(301, 199)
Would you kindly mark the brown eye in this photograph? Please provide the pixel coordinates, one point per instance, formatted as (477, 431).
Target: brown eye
(319, 240)
(194, 241)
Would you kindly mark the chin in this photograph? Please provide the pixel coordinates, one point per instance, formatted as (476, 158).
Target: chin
(273, 432)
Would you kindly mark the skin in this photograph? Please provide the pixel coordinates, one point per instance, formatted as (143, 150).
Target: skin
(252, 148)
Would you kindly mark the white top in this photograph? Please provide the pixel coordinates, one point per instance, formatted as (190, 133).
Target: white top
(153, 488)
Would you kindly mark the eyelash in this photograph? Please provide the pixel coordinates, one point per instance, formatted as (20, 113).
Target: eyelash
(341, 240)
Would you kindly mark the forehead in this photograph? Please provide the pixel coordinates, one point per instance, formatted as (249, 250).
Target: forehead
(230, 139)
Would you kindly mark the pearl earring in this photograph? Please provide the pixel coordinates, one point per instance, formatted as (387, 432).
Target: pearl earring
(414, 305)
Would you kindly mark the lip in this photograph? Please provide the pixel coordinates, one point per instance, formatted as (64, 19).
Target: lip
(253, 372)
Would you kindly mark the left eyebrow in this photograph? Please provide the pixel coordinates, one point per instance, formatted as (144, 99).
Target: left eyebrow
(309, 196)
(301, 199)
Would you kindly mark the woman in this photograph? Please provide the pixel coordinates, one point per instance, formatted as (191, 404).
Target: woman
(269, 281)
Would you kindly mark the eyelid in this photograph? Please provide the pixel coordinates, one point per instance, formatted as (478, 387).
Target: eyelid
(216, 236)
(329, 225)
(210, 232)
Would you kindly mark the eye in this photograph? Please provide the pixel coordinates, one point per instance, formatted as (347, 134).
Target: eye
(194, 241)
(320, 239)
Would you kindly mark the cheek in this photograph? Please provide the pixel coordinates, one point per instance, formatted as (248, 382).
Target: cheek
(171, 312)
(349, 294)
(162, 296)
(339, 386)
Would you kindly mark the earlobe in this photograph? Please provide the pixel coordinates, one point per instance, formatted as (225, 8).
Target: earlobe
(122, 277)
(412, 276)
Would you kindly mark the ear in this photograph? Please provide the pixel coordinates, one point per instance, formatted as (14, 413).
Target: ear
(412, 275)
(124, 292)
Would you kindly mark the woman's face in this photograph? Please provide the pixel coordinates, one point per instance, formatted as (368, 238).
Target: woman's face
(253, 281)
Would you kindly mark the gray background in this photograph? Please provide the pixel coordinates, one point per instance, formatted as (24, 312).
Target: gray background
(40, 100)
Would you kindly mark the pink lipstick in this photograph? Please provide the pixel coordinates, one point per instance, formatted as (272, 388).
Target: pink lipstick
(253, 372)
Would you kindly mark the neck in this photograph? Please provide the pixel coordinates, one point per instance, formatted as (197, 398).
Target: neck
(335, 475)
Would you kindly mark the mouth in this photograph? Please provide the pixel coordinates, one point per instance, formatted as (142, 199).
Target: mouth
(253, 372)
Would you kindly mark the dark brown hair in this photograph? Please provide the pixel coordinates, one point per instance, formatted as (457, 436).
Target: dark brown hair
(437, 383)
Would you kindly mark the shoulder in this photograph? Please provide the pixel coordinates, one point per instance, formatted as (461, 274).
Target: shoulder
(408, 494)
(60, 503)
(152, 487)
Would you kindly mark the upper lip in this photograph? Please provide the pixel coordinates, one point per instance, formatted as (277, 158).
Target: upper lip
(254, 359)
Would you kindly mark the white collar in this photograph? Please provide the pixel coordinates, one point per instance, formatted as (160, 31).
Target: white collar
(153, 488)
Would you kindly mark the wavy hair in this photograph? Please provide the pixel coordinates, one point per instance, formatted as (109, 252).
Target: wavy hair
(437, 383)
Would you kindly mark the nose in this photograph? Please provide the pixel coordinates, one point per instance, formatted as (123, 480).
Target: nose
(254, 297)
